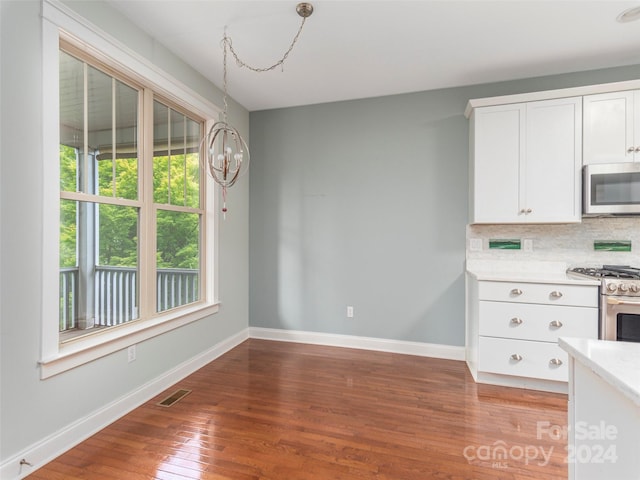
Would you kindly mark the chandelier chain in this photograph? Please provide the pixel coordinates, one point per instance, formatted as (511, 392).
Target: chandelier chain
(227, 45)
(224, 165)
(227, 41)
(224, 76)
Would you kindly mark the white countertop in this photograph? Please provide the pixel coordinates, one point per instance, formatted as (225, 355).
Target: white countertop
(526, 271)
(532, 277)
(617, 363)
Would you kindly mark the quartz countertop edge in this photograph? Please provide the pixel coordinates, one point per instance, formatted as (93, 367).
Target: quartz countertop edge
(531, 277)
(617, 363)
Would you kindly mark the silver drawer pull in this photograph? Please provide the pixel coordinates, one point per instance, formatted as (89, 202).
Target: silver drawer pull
(516, 291)
(556, 294)
(555, 324)
(516, 357)
(555, 361)
(516, 321)
(630, 150)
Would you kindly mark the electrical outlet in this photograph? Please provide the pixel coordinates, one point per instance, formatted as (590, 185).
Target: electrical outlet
(475, 244)
(349, 311)
(131, 353)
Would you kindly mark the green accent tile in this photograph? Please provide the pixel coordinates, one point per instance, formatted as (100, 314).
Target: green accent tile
(505, 244)
(612, 245)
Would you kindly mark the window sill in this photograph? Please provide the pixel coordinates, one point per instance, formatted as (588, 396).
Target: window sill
(74, 353)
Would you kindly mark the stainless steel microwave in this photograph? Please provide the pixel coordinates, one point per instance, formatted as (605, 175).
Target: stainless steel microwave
(611, 189)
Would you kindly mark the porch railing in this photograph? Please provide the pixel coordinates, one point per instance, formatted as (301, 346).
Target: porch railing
(175, 287)
(116, 299)
(116, 294)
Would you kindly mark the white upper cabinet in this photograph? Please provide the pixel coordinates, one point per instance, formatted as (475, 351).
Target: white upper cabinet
(612, 127)
(525, 162)
(496, 149)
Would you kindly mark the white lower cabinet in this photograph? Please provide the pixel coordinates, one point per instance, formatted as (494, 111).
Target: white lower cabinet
(513, 330)
(604, 411)
(523, 358)
(541, 323)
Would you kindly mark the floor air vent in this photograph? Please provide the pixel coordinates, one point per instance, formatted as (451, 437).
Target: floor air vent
(174, 397)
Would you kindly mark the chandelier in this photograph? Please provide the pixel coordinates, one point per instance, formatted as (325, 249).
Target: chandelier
(226, 152)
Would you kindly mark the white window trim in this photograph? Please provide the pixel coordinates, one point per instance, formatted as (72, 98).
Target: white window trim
(58, 20)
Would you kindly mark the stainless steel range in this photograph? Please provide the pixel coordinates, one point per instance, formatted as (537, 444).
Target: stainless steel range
(619, 300)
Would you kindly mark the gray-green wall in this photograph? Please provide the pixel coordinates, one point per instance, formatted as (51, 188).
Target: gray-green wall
(32, 409)
(364, 203)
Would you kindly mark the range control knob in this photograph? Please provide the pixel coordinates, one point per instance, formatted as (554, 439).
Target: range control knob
(633, 288)
(611, 287)
(623, 287)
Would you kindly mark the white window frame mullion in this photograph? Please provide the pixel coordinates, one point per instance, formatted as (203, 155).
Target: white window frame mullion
(83, 197)
(147, 256)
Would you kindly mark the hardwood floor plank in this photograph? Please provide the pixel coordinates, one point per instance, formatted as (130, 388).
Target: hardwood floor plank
(286, 411)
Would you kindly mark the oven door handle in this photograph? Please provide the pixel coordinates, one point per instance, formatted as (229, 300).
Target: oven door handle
(615, 301)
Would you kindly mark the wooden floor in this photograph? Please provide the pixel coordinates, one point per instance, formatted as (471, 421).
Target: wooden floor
(272, 410)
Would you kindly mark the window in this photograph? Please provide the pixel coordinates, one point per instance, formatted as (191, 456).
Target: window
(100, 207)
(110, 188)
(129, 233)
(111, 216)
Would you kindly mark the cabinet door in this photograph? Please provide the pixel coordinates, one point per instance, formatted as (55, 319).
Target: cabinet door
(496, 149)
(609, 128)
(550, 189)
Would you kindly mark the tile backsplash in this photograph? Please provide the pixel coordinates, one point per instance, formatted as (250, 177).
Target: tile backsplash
(574, 244)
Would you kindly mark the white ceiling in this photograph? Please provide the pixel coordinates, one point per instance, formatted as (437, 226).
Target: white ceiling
(366, 48)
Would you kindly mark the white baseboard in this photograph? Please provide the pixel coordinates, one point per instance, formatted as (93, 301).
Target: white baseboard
(49, 448)
(448, 352)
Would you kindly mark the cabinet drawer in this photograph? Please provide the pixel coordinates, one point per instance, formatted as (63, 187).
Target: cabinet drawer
(536, 322)
(543, 293)
(523, 358)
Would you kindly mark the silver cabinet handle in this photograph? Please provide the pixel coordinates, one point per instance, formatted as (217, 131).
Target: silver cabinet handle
(555, 361)
(555, 324)
(516, 291)
(556, 294)
(526, 211)
(516, 321)
(631, 150)
(637, 149)
(516, 357)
